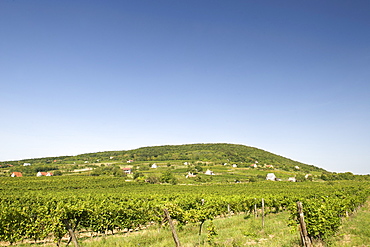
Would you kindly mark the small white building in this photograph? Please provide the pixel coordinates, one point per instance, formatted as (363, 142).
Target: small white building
(190, 175)
(292, 179)
(47, 174)
(154, 166)
(254, 165)
(296, 167)
(235, 165)
(209, 172)
(26, 164)
(271, 176)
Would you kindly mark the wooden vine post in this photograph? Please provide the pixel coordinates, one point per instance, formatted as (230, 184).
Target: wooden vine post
(306, 241)
(263, 213)
(174, 234)
(255, 209)
(71, 232)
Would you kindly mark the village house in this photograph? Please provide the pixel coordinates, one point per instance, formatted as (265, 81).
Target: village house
(292, 179)
(235, 165)
(190, 175)
(26, 164)
(154, 166)
(271, 177)
(127, 170)
(130, 161)
(47, 174)
(269, 166)
(16, 174)
(209, 172)
(254, 165)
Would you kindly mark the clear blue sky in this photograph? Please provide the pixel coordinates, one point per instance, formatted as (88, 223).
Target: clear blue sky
(289, 77)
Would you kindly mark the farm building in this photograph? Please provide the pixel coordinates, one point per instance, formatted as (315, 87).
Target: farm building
(292, 179)
(127, 170)
(16, 174)
(154, 166)
(47, 174)
(209, 172)
(190, 175)
(271, 176)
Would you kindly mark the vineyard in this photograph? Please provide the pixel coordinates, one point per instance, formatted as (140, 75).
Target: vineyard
(50, 208)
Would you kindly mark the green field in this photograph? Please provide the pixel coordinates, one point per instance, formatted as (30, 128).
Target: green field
(35, 209)
(92, 196)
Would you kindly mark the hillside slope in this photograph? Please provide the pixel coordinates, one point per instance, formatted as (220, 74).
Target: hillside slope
(218, 153)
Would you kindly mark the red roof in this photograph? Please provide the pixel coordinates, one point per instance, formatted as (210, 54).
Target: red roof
(17, 174)
(126, 169)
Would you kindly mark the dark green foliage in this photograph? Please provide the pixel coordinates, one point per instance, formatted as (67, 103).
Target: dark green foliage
(108, 170)
(168, 177)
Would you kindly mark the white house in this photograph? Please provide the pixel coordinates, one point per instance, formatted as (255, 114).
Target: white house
(47, 174)
(296, 167)
(130, 161)
(271, 176)
(26, 164)
(253, 165)
(209, 172)
(190, 175)
(127, 170)
(154, 165)
(292, 179)
(235, 165)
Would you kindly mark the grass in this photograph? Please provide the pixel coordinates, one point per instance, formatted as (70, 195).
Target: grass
(355, 230)
(233, 231)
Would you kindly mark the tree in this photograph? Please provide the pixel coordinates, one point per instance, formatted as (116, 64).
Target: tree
(152, 179)
(168, 177)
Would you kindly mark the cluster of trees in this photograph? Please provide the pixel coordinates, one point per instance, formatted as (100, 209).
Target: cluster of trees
(165, 177)
(112, 170)
(343, 176)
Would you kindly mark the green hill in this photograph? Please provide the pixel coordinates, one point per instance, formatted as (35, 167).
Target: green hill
(215, 153)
